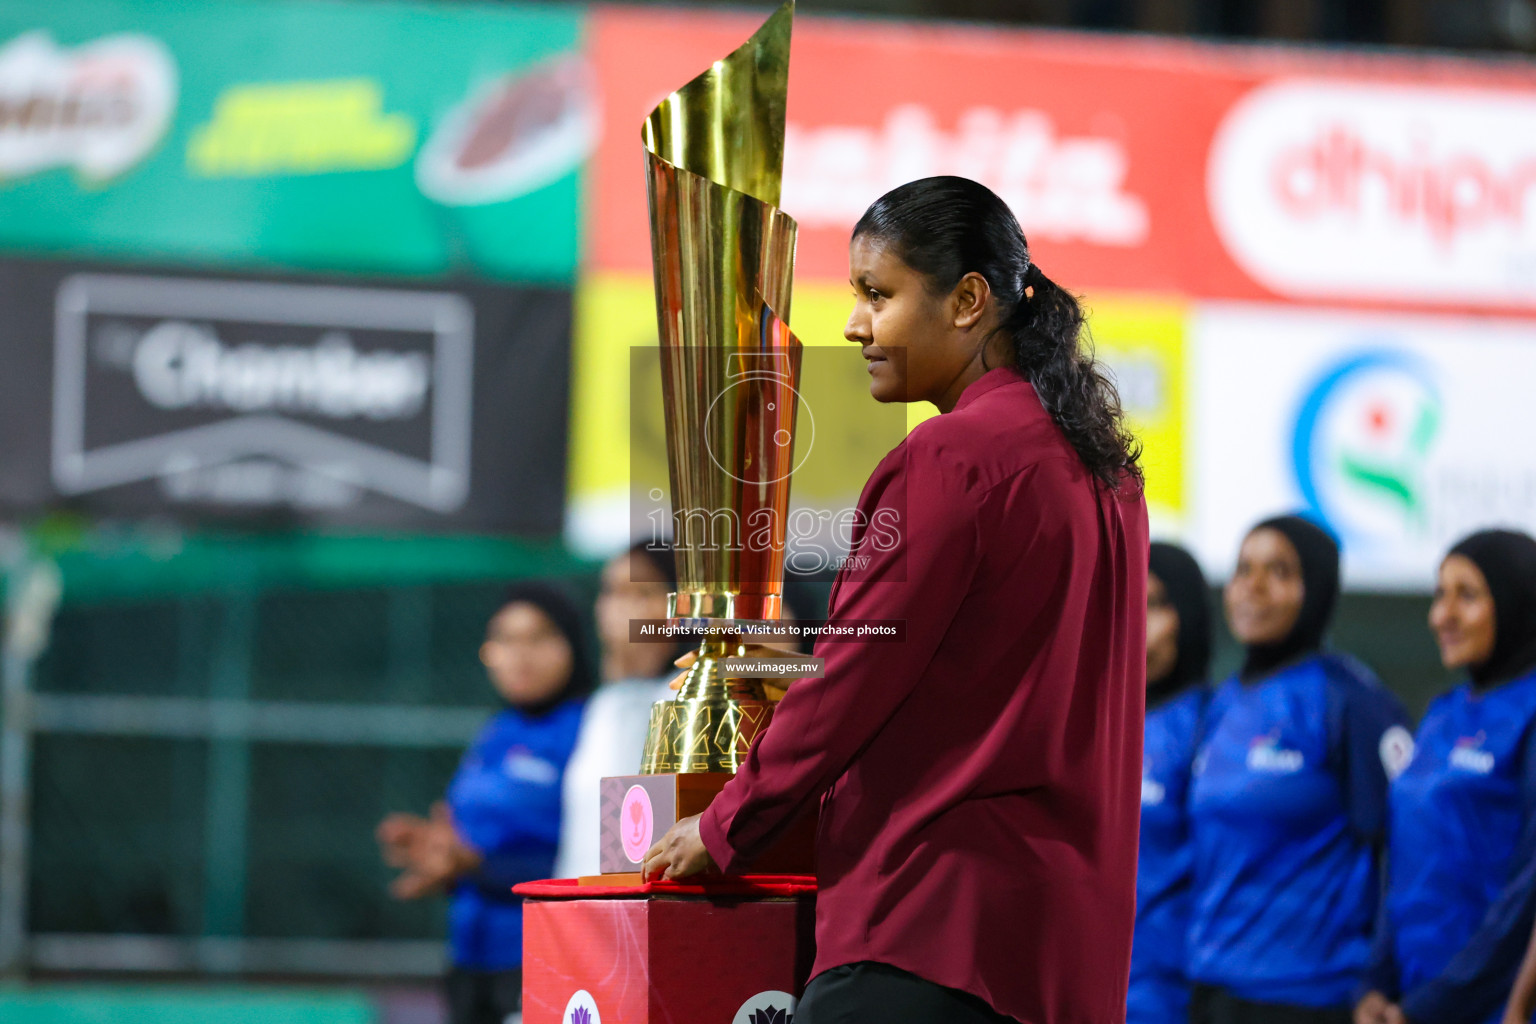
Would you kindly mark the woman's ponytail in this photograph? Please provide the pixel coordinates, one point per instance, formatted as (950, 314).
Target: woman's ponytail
(1046, 328)
(947, 227)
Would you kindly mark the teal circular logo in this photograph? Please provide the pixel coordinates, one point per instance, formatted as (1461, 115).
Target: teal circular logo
(1364, 435)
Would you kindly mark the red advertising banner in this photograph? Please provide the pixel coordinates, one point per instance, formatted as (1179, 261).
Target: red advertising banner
(1133, 164)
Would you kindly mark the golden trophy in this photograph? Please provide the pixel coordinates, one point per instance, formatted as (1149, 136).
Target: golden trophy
(723, 254)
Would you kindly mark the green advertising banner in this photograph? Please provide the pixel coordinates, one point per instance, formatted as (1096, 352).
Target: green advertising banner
(379, 137)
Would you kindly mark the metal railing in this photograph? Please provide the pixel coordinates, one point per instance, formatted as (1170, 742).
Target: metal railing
(229, 725)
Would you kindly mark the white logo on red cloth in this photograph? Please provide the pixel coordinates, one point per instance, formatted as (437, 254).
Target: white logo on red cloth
(99, 108)
(637, 823)
(771, 1007)
(582, 1009)
(1061, 187)
(1408, 193)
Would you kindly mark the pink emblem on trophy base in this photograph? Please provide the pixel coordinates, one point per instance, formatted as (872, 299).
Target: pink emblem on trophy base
(636, 823)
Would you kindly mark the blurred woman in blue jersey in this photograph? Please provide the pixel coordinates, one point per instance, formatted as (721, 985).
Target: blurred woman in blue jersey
(633, 675)
(501, 820)
(1178, 654)
(1461, 886)
(1288, 803)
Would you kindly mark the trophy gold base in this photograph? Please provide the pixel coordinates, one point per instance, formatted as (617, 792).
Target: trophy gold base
(711, 724)
(705, 734)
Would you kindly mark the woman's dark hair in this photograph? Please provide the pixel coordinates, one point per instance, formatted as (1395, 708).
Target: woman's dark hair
(947, 227)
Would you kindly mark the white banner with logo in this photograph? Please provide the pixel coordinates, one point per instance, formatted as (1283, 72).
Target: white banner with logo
(1403, 433)
(1397, 193)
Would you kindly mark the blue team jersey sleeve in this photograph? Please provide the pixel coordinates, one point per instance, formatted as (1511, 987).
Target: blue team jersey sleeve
(1369, 741)
(1371, 744)
(506, 795)
(1381, 974)
(1476, 982)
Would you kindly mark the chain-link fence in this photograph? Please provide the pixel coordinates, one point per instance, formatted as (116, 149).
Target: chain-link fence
(200, 772)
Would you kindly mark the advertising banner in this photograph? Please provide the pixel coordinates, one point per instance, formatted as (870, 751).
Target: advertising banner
(1151, 177)
(383, 138)
(1132, 164)
(283, 400)
(1174, 185)
(1401, 433)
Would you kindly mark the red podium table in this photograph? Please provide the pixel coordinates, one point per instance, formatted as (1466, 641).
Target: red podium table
(729, 951)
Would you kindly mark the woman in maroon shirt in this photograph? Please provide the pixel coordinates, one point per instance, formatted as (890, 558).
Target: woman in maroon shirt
(980, 779)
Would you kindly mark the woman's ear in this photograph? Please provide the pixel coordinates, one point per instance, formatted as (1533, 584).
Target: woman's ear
(969, 300)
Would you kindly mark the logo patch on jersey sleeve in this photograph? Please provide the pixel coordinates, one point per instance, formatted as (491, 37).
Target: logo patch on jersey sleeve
(1396, 751)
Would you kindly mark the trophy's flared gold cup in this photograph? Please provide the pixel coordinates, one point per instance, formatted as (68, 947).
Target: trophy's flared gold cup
(723, 255)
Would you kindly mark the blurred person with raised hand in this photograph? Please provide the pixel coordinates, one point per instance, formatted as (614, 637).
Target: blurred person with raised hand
(500, 822)
(1461, 885)
(635, 585)
(1178, 656)
(1288, 807)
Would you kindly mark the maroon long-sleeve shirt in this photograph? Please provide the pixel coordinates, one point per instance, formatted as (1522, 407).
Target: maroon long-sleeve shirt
(980, 780)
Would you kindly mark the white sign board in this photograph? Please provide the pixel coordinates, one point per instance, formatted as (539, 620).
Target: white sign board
(1403, 433)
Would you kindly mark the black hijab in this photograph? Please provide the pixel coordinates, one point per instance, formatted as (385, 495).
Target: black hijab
(661, 559)
(1507, 559)
(1187, 592)
(1318, 553)
(660, 566)
(562, 611)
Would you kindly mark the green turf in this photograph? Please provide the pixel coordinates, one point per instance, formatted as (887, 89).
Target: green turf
(92, 1004)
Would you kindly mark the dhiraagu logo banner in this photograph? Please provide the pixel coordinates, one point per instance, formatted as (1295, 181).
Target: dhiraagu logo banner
(1403, 433)
(385, 138)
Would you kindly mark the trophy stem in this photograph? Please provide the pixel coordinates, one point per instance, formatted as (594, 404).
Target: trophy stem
(711, 724)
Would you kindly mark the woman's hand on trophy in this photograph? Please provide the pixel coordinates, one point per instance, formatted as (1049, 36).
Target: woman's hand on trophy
(685, 663)
(678, 854)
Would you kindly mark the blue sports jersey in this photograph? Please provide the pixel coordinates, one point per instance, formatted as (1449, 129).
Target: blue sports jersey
(1159, 991)
(1287, 812)
(1461, 882)
(505, 800)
